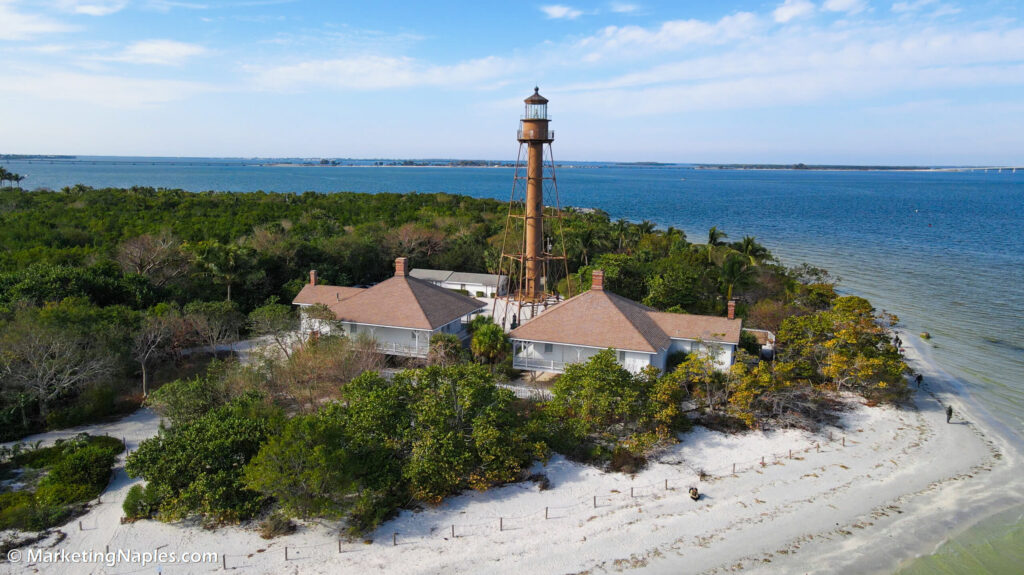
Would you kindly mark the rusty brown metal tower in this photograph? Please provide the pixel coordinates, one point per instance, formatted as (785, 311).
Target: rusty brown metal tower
(533, 231)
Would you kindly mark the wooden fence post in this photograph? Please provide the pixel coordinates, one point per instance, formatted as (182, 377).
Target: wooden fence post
(595, 502)
(453, 531)
(545, 513)
(501, 524)
(286, 553)
(631, 492)
(339, 545)
(394, 539)
(762, 461)
(666, 485)
(734, 469)
(844, 441)
(791, 454)
(224, 561)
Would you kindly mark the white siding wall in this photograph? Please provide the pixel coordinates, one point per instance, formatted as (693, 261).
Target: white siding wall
(633, 361)
(472, 288)
(539, 356)
(307, 325)
(723, 353)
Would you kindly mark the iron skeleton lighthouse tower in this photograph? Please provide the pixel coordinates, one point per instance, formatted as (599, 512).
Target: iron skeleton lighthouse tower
(533, 132)
(529, 248)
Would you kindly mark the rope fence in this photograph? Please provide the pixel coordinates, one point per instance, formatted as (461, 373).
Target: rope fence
(584, 505)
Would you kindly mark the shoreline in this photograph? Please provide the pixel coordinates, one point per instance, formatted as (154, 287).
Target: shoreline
(891, 485)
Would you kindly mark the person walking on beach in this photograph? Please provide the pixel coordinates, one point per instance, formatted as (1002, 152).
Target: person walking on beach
(949, 413)
(918, 379)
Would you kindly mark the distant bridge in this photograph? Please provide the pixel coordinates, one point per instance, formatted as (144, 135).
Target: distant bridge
(1010, 169)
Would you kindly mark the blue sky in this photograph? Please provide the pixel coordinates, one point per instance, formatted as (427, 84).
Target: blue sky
(814, 81)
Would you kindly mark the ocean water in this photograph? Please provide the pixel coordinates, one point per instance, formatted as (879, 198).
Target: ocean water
(942, 250)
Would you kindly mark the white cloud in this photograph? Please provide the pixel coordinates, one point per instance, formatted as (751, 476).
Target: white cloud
(159, 52)
(168, 5)
(559, 11)
(791, 9)
(115, 92)
(848, 6)
(671, 35)
(15, 25)
(814, 66)
(623, 8)
(377, 73)
(911, 6)
(92, 7)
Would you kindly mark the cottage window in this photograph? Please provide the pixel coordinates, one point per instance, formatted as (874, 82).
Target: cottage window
(548, 348)
(412, 334)
(353, 328)
(622, 357)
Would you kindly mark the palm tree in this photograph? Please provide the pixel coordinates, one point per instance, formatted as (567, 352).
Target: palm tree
(736, 273)
(753, 250)
(227, 264)
(715, 236)
(590, 240)
(490, 343)
(645, 227)
(621, 227)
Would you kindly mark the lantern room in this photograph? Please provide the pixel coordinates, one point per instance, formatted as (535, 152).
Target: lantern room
(536, 106)
(533, 127)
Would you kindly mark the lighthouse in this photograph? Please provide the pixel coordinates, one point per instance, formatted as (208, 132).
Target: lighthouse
(533, 231)
(534, 133)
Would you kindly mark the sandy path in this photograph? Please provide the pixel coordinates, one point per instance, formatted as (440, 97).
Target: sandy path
(887, 486)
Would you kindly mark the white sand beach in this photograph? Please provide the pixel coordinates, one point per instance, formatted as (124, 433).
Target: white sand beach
(890, 484)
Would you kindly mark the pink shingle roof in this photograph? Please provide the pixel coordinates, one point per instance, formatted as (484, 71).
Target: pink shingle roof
(404, 301)
(598, 318)
(324, 294)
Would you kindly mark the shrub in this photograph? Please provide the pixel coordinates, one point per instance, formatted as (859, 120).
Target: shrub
(21, 510)
(275, 526)
(107, 443)
(197, 466)
(674, 359)
(16, 508)
(185, 400)
(88, 466)
(371, 509)
(481, 294)
(306, 467)
(142, 502)
(54, 494)
(626, 461)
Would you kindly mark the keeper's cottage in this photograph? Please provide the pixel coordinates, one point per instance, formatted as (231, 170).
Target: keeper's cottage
(579, 327)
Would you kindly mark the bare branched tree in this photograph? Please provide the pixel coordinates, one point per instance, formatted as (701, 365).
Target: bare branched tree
(158, 257)
(152, 341)
(48, 364)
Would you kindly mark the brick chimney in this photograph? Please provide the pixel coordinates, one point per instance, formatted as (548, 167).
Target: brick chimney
(597, 280)
(312, 277)
(732, 309)
(401, 267)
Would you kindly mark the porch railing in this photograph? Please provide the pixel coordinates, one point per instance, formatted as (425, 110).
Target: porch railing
(392, 348)
(535, 364)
